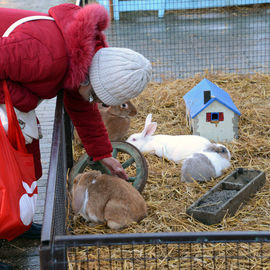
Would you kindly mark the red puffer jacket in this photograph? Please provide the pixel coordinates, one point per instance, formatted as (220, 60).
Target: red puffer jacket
(41, 57)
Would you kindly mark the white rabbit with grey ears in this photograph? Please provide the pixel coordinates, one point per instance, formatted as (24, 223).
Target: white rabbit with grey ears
(172, 147)
(206, 164)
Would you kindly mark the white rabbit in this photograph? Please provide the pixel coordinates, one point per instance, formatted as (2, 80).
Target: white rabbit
(204, 165)
(175, 148)
(105, 198)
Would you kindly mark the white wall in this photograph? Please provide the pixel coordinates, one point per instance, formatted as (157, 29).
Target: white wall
(222, 131)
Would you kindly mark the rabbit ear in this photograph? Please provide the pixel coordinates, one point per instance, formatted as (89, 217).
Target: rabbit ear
(148, 119)
(78, 195)
(150, 129)
(147, 123)
(103, 107)
(107, 108)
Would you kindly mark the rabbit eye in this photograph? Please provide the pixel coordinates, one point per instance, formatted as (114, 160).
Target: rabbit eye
(124, 106)
(133, 139)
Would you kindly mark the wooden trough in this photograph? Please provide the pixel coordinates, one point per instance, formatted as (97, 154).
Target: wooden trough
(227, 196)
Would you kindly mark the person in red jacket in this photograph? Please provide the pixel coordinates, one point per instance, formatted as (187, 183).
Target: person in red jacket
(40, 57)
(67, 49)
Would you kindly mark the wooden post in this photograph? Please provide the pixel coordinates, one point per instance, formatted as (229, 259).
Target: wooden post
(111, 10)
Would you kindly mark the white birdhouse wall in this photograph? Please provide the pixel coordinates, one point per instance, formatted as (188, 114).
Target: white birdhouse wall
(216, 122)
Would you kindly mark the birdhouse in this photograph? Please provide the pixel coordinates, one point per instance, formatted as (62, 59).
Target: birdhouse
(211, 112)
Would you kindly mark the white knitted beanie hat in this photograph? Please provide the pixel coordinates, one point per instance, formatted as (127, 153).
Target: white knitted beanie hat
(119, 74)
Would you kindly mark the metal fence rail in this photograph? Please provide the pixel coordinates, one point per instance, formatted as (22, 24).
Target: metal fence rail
(54, 220)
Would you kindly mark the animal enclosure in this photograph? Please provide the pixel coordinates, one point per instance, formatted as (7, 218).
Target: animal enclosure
(168, 237)
(181, 44)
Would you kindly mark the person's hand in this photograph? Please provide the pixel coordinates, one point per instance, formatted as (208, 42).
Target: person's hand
(115, 167)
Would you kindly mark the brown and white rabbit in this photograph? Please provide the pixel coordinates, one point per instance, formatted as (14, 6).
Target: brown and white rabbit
(104, 198)
(172, 147)
(117, 119)
(204, 165)
(76, 138)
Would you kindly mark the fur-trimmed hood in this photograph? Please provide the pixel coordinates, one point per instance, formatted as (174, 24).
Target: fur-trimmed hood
(82, 29)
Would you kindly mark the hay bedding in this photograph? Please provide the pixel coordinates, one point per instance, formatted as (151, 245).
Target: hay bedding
(167, 198)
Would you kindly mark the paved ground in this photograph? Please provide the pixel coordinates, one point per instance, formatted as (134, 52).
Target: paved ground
(45, 113)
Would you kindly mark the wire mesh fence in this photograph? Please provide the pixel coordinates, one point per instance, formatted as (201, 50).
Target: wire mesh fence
(183, 37)
(180, 38)
(172, 256)
(228, 250)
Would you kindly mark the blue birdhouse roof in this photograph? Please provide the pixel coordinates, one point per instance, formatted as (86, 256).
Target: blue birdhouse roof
(194, 99)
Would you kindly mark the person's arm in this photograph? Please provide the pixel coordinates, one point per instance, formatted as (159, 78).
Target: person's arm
(23, 99)
(88, 122)
(91, 130)
(17, 65)
(115, 167)
(24, 61)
